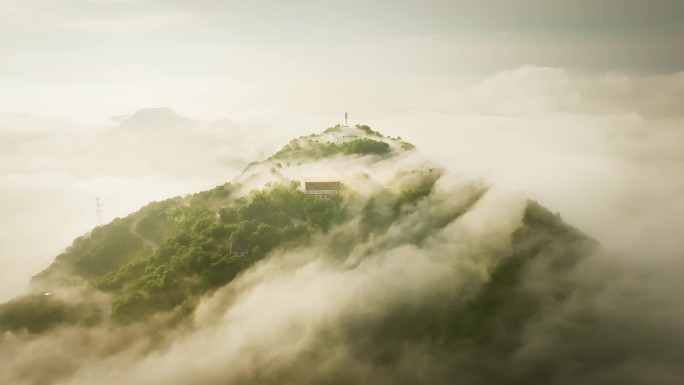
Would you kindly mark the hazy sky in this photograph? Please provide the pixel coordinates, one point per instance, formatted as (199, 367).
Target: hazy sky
(93, 58)
(576, 103)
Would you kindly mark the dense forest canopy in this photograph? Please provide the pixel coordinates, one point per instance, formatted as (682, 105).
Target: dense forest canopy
(199, 248)
(169, 253)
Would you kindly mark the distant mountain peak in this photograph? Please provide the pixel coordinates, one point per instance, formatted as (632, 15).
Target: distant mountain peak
(161, 119)
(155, 112)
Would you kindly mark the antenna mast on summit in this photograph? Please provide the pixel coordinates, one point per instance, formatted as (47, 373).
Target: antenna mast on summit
(98, 211)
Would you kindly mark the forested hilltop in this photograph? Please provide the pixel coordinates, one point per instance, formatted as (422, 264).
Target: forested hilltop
(403, 253)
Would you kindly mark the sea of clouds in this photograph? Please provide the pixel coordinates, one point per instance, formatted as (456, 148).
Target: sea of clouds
(602, 150)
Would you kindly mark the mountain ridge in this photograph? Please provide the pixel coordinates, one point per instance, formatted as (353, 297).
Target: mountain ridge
(465, 246)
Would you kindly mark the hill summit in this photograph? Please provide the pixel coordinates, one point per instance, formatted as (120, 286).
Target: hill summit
(344, 257)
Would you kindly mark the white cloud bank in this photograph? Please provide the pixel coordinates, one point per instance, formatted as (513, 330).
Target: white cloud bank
(603, 150)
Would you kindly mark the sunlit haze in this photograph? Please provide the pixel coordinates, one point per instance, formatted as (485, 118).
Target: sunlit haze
(574, 104)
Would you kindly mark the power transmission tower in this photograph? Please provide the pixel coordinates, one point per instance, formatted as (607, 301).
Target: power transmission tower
(345, 120)
(98, 211)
